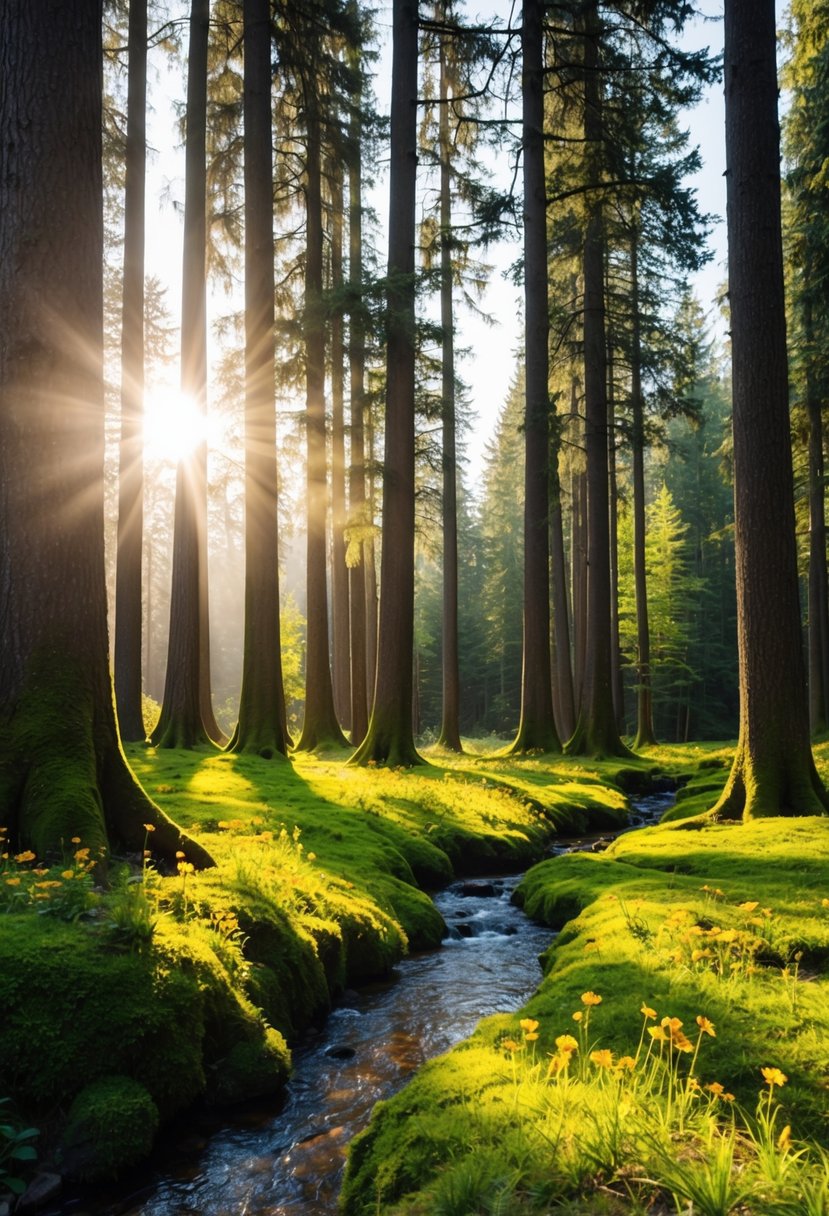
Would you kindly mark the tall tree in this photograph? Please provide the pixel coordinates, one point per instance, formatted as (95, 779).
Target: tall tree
(128, 591)
(186, 713)
(389, 738)
(262, 725)
(62, 770)
(773, 771)
(536, 728)
(340, 634)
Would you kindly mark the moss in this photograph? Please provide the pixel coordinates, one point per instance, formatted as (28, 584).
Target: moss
(111, 1124)
(251, 1069)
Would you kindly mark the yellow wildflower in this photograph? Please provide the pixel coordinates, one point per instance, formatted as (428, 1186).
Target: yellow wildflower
(67, 873)
(179, 855)
(784, 1140)
(626, 1062)
(311, 856)
(681, 1041)
(673, 1024)
(590, 998)
(149, 827)
(698, 955)
(27, 856)
(566, 1042)
(657, 1034)
(528, 1025)
(578, 1015)
(728, 1097)
(647, 1011)
(602, 1058)
(824, 903)
(705, 1026)
(715, 1088)
(749, 905)
(12, 882)
(773, 1076)
(76, 840)
(510, 1045)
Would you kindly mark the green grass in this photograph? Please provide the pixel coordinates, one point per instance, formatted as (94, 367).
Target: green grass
(722, 922)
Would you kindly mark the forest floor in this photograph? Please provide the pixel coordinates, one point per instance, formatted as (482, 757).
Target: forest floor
(122, 1007)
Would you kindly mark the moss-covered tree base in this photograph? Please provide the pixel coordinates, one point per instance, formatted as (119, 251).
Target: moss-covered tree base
(777, 782)
(388, 741)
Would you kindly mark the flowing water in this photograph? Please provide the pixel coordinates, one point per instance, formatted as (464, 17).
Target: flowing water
(288, 1160)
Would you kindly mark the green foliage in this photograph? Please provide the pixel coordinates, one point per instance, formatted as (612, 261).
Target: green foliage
(16, 1150)
(111, 1124)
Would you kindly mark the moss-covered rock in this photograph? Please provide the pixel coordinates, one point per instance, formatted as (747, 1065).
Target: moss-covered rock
(111, 1124)
(252, 1069)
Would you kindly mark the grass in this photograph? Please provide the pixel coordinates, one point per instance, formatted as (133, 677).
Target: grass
(636, 1105)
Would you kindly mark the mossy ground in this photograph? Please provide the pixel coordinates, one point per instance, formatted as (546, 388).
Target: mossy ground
(190, 985)
(723, 922)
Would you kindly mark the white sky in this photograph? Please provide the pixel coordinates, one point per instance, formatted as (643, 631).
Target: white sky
(490, 368)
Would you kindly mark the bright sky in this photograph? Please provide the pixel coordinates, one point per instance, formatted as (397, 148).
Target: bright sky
(490, 368)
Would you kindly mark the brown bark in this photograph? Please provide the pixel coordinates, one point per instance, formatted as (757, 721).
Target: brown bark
(339, 571)
(563, 665)
(319, 725)
(773, 771)
(357, 472)
(128, 591)
(62, 770)
(613, 523)
(262, 726)
(818, 590)
(645, 735)
(596, 732)
(186, 712)
(536, 728)
(449, 735)
(389, 739)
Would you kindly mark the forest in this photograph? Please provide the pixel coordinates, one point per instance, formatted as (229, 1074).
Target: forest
(413, 794)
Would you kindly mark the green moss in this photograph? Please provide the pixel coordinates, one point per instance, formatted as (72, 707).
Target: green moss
(111, 1124)
(251, 1069)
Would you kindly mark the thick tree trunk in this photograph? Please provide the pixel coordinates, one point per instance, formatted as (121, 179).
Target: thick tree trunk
(645, 735)
(262, 726)
(596, 732)
(339, 571)
(449, 736)
(536, 728)
(773, 771)
(186, 712)
(389, 739)
(563, 666)
(62, 771)
(357, 471)
(613, 524)
(371, 565)
(578, 581)
(128, 592)
(319, 725)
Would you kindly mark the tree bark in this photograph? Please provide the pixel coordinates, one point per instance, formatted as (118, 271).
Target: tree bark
(449, 735)
(613, 524)
(128, 591)
(596, 732)
(773, 771)
(645, 735)
(62, 770)
(536, 727)
(563, 666)
(818, 590)
(320, 725)
(186, 713)
(262, 726)
(339, 571)
(389, 739)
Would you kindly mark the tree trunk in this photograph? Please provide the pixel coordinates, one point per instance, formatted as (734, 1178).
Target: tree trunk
(357, 467)
(128, 596)
(578, 560)
(773, 771)
(645, 735)
(262, 726)
(186, 713)
(596, 732)
(389, 738)
(339, 571)
(449, 736)
(613, 524)
(62, 770)
(371, 567)
(563, 667)
(818, 592)
(536, 728)
(319, 725)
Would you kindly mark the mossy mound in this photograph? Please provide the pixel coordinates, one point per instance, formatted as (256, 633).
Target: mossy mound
(724, 927)
(111, 1124)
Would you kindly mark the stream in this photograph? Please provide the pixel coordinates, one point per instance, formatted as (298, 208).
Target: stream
(288, 1160)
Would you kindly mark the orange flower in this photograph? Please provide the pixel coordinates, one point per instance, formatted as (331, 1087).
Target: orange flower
(657, 1034)
(602, 1058)
(715, 1088)
(590, 998)
(647, 1011)
(773, 1076)
(510, 1045)
(528, 1025)
(705, 1026)
(626, 1062)
(27, 856)
(149, 827)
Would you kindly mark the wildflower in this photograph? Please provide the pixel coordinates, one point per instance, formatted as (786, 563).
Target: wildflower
(530, 1036)
(680, 1041)
(578, 1015)
(749, 905)
(590, 998)
(558, 1063)
(647, 1011)
(672, 1024)
(13, 882)
(179, 855)
(27, 856)
(728, 1097)
(311, 856)
(76, 840)
(528, 1025)
(715, 1088)
(693, 1084)
(510, 1045)
(657, 1034)
(773, 1076)
(149, 827)
(824, 903)
(148, 853)
(81, 854)
(698, 955)
(784, 1140)
(186, 867)
(705, 1026)
(626, 1063)
(602, 1058)
(67, 873)
(566, 1042)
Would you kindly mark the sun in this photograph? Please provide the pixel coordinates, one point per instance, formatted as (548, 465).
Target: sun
(173, 425)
